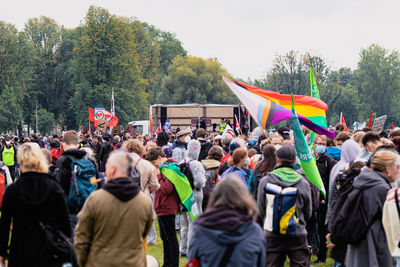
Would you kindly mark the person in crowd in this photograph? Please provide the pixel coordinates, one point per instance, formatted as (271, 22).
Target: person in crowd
(199, 181)
(373, 249)
(228, 227)
(284, 132)
(391, 221)
(166, 206)
(331, 149)
(341, 138)
(291, 241)
(148, 178)
(217, 140)
(276, 141)
(9, 155)
(325, 165)
(222, 126)
(339, 128)
(201, 136)
(96, 147)
(98, 240)
(236, 165)
(116, 142)
(224, 161)
(211, 165)
(35, 197)
(180, 145)
(349, 152)
(263, 167)
(64, 172)
(226, 141)
(105, 150)
(162, 141)
(55, 150)
(371, 141)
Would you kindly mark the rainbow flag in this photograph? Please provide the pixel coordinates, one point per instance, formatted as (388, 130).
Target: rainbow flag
(267, 110)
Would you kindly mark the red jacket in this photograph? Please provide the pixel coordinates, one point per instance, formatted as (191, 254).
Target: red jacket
(55, 154)
(166, 200)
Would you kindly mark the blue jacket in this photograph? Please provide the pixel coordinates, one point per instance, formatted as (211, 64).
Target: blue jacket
(239, 172)
(209, 245)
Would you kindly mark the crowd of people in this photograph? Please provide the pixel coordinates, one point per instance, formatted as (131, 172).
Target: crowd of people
(233, 201)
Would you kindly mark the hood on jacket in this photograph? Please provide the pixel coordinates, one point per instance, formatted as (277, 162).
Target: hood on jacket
(278, 181)
(122, 188)
(178, 143)
(210, 163)
(193, 150)
(167, 151)
(223, 218)
(369, 178)
(74, 152)
(350, 150)
(287, 175)
(333, 152)
(34, 188)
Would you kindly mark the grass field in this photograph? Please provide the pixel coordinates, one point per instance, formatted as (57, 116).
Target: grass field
(157, 251)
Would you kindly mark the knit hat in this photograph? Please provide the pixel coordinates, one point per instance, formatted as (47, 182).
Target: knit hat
(286, 152)
(233, 146)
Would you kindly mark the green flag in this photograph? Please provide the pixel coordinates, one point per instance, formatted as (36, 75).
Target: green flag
(315, 93)
(304, 154)
(182, 186)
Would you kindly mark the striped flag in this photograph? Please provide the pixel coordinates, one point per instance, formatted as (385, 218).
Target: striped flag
(237, 127)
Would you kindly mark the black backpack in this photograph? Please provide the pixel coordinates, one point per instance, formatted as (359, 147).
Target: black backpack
(185, 169)
(348, 219)
(211, 181)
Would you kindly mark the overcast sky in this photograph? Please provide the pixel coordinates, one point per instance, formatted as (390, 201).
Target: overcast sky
(244, 35)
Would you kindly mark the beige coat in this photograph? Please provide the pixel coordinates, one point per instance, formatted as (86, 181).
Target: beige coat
(148, 177)
(111, 232)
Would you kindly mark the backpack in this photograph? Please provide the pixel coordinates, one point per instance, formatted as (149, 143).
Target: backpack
(185, 169)
(211, 180)
(281, 217)
(135, 174)
(81, 186)
(348, 219)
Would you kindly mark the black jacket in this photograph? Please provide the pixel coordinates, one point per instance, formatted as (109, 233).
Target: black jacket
(105, 151)
(33, 197)
(325, 165)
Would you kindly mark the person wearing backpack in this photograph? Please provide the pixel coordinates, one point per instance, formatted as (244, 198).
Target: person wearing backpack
(115, 219)
(372, 249)
(211, 165)
(284, 192)
(195, 173)
(35, 199)
(226, 234)
(76, 187)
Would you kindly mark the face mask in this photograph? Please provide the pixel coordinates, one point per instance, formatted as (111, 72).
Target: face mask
(187, 139)
(277, 146)
(247, 162)
(320, 150)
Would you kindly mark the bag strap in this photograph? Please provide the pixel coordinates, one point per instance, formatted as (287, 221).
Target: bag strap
(227, 255)
(396, 199)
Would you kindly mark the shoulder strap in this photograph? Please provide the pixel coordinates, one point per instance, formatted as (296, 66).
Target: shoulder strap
(396, 199)
(227, 255)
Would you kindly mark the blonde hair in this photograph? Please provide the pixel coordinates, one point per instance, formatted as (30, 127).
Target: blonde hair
(30, 156)
(134, 146)
(382, 159)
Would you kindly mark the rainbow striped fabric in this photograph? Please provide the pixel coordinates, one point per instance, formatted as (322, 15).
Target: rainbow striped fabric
(268, 108)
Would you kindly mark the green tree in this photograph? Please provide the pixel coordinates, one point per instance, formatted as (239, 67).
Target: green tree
(106, 57)
(378, 81)
(196, 80)
(46, 121)
(10, 110)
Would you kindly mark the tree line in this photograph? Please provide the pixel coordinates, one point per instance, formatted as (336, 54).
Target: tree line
(49, 74)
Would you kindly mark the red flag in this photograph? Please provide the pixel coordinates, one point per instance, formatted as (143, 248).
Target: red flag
(91, 114)
(370, 119)
(392, 126)
(90, 129)
(342, 121)
(81, 130)
(159, 129)
(151, 126)
(132, 131)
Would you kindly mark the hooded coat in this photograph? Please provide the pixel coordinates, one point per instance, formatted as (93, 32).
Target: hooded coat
(220, 227)
(178, 151)
(373, 250)
(350, 151)
(112, 225)
(33, 197)
(197, 169)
